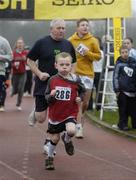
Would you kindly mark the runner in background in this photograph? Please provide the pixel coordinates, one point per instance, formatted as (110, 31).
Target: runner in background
(29, 79)
(41, 59)
(18, 78)
(87, 51)
(5, 58)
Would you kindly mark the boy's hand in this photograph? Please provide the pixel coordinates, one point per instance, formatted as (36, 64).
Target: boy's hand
(53, 92)
(78, 99)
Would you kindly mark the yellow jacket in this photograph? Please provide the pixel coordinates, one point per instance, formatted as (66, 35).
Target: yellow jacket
(84, 65)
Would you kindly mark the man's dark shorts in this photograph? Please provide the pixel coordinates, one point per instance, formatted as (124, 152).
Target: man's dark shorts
(40, 103)
(58, 128)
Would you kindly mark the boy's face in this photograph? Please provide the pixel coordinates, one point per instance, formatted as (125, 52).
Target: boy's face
(63, 65)
(83, 28)
(124, 53)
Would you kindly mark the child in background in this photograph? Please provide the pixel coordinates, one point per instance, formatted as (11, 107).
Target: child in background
(128, 42)
(64, 93)
(124, 83)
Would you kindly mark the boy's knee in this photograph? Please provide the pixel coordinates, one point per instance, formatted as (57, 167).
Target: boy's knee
(71, 132)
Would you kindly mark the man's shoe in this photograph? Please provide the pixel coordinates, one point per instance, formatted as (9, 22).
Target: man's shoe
(49, 163)
(79, 131)
(19, 108)
(68, 146)
(31, 119)
(2, 109)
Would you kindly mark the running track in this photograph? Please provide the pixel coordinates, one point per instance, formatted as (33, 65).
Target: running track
(101, 155)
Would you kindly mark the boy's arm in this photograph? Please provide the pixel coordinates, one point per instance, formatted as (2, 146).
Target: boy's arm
(116, 78)
(48, 96)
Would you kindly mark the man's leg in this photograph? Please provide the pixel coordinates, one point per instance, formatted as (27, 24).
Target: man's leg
(39, 113)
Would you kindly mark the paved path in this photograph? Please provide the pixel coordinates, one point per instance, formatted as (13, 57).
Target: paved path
(101, 155)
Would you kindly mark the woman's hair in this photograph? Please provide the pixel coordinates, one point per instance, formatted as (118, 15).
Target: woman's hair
(15, 45)
(129, 38)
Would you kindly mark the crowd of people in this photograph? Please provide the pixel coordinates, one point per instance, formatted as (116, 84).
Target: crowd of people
(66, 72)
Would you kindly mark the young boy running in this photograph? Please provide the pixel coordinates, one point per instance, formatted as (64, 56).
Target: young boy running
(64, 93)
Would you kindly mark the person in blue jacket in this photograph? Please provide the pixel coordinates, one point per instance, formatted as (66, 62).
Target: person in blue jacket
(124, 84)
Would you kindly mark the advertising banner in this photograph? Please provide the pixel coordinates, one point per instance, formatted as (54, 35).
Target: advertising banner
(118, 37)
(66, 9)
(75, 9)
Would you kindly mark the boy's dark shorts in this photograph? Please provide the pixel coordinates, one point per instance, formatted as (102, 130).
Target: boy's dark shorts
(40, 103)
(58, 128)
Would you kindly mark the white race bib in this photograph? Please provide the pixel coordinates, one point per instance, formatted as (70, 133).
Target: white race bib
(80, 49)
(63, 93)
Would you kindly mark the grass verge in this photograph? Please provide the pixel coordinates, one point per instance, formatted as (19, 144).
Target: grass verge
(110, 118)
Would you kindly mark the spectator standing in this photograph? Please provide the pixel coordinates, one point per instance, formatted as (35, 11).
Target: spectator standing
(44, 52)
(87, 51)
(5, 57)
(124, 83)
(63, 93)
(128, 42)
(18, 71)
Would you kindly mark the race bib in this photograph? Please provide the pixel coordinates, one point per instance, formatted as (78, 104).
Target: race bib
(63, 93)
(129, 71)
(80, 49)
(16, 64)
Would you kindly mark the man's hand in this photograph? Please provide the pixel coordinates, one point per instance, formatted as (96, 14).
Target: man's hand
(43, 76)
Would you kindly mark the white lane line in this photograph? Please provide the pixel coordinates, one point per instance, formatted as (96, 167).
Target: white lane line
(107, 161)
(15, 171)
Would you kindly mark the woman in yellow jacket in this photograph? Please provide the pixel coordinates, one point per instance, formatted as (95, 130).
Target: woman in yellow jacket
(87, 50)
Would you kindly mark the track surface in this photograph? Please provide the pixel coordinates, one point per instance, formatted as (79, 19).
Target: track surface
(101, 155)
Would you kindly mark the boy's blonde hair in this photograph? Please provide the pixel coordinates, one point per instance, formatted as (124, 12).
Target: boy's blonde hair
(63, 55)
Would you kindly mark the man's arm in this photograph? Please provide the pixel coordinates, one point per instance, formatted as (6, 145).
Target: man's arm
(42, 75)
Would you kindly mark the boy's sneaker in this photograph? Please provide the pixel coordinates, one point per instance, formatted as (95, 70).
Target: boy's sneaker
(125, 128)
(31, 119)
(68, 146)
(49, 163)
(79, 131)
